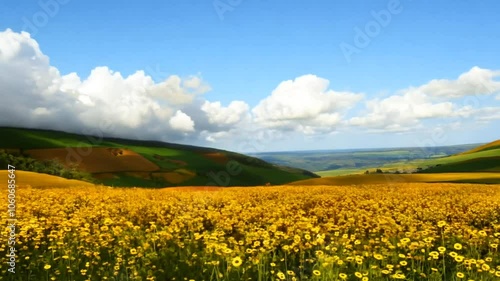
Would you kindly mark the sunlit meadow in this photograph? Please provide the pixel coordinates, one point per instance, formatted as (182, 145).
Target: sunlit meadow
(382, 232)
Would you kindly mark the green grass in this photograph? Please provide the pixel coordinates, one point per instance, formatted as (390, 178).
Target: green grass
(483, 164)
(340, 172)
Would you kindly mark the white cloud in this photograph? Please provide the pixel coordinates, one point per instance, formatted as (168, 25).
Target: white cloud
(36, 94)
(304, 104)
(181, 122)
(229, 115)
(401, 112)
(487, 114)
(405, 110)
(196, 83)
(476, 81)
(39, 96)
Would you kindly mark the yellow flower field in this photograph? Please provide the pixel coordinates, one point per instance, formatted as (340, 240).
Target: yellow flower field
(379, 232)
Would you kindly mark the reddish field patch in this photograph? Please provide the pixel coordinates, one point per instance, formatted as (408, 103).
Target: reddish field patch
(217, 157)
(97, 159)
(176, 176)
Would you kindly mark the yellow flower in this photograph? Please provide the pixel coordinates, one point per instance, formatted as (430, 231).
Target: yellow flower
(441, 224)
(343, 276)
(237, 262)
(358, 274)
(316, 272)
(47, 267)
(281, 275)
(460, 275)
(457, 246)
(133, 251)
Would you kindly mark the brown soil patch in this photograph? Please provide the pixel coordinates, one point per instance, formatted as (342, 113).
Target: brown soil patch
(142, 175)
(97, 159)
(176, 176)
(217, 157)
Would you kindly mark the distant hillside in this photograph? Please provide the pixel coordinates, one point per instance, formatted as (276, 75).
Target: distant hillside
(488, 146)
(123, 162)
(484, 158)
(338, 162)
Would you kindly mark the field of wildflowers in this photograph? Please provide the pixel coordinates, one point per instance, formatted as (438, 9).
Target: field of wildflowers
(379, 232)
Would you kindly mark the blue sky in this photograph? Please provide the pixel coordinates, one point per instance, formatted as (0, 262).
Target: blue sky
(245, 52)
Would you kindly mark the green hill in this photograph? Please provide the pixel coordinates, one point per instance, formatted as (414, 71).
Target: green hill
(488, 146)
(124, 162)
(485, 158)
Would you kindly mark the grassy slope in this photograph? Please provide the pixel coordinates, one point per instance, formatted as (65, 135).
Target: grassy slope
(40, 180)
(488, 146)
(340, 172)
(254, 171)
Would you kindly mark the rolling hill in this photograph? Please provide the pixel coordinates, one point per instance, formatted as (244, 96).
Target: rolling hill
(124, 162)
(477, 165)
(38, 180)
(484, 158)
(488, 146)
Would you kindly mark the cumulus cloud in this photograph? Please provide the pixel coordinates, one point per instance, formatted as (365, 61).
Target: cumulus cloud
(230, 115)
(477, 81)
(405, 110)
(181, 122)
(401, 112)
(304, 104)
(37, 95)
